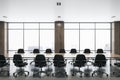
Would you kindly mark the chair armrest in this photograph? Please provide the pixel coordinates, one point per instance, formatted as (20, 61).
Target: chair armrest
(47, 60)
(31, 62)
(40, 61)
(65, 60)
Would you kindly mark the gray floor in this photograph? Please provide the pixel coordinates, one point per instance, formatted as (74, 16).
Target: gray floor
(87, 69)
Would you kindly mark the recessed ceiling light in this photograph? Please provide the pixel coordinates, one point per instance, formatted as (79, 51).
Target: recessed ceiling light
(113, 16)
(59, 16)
(5, 17)
(58, 3)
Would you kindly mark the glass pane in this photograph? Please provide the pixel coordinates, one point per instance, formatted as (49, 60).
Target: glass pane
(46, 39)
(71, 39)
(103, 39)
(15, 26)
(46, 25)
(31, 39)
(71, 25)
(31, 26)
(15, 39)
(87, 39)
(87, 26)
(102, 25)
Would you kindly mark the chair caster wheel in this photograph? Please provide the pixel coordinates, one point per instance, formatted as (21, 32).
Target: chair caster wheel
(107, 75)
(15, 76)
(8, 74)
(33, 75)
(53, 74)
(66, 75)
(48, 75)
(25, 75)
(113, 73)
(72, 74)
(92, 75)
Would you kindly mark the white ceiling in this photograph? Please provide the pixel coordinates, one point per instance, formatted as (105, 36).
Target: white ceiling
(70, 10)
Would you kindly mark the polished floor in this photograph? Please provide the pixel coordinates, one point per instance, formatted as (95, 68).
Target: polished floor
(112, 71)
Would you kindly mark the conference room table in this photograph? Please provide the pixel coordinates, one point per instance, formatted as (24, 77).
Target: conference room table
(71, 56)
(66, 55)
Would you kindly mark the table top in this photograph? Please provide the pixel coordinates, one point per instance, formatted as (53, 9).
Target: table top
(66, 55)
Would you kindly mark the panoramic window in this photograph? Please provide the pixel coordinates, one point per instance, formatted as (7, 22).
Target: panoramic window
(76, 35)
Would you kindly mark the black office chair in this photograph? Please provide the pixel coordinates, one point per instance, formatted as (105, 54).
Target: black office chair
(62, 51)
(100, 51)
(100, 61)
(3, 63)
(40, 62)
(20, 51)
(48, 51)
(73, 51)
(79, 62)
(19, 62)
(117, 66)
(87, 51)
(59, 63)
(36, 51)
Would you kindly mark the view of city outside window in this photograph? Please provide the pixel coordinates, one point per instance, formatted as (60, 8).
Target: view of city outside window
(76, 35)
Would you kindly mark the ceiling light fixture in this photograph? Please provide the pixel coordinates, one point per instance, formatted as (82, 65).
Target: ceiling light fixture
(113, 16)
(58, 3)
(4, 16)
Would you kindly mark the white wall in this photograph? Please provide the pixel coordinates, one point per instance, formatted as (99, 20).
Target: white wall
(71, 10)
(116, 10)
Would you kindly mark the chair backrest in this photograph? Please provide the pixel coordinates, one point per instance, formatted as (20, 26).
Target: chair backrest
(100, 60)
(40, 58)
(100, 51)
(17, 59)
(36, 51)
(59, 61)
(20, 51)
(48, 51)
(40, 61)
(58, 58)
(2, 59)
(87, 51)
(62, 51)
(80, 59)
(73, 51)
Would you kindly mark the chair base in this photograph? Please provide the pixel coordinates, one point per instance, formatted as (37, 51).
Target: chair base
(4, 73)
(60, 74)
(75, 72)
(38, 73)
(20, 72)
(99, 73)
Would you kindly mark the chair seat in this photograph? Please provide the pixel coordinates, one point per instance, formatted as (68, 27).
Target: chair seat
(117, 64)
(78, 65)
(2, 65)
(21, 64)
(99, 65)
(59, 65)
(42, 65)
